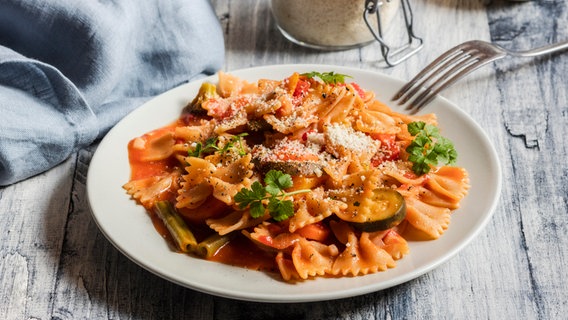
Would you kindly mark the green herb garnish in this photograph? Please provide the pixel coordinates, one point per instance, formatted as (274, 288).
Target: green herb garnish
(210, 146)
(428, 148)
(235, 143)
(279, 208)
(327, 77)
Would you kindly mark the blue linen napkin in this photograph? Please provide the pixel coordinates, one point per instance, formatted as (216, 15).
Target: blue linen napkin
(69, 70)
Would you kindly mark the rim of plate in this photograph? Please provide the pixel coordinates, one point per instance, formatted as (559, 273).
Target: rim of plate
(106, 175)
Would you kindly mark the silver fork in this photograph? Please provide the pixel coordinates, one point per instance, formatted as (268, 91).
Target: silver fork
(456, 63)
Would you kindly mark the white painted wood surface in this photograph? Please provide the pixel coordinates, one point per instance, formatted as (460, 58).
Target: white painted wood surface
(55, 264)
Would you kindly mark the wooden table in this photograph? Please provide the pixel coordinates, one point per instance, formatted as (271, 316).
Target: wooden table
(57, 265)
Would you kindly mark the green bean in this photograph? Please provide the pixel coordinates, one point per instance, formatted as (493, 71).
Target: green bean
(209, 247)
(182, 235)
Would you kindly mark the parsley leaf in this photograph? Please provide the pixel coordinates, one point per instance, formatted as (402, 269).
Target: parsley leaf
(277, 181)
(428, 148)
(327, 77)
(247, 196)
(415, 127)
(279, 208)
(257, 209)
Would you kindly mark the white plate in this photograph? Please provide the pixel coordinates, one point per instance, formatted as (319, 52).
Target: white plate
(128, 227)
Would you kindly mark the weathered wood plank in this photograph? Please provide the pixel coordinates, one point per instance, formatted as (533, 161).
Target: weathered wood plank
(534, 95)
(33, 223)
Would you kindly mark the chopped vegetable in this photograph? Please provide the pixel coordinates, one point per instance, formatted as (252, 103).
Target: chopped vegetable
(301, 89)
(315, 231)
(428, 148)
(390, 150)
(327, 77)
(383, 210)
(212, 244)
(279, 208)
(359, 90)
(206, 92)
(178, 229)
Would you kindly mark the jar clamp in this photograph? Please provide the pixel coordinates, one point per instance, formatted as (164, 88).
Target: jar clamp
(393, 55)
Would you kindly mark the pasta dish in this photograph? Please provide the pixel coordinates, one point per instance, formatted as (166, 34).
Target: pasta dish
(305, 176)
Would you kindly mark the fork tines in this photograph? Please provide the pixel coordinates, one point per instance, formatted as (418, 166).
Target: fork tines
(455, 64)
(438, 75)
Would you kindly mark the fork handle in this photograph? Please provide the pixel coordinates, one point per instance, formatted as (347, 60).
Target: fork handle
(556, 47)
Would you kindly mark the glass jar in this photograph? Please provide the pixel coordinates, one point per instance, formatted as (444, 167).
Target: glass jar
(329, 24)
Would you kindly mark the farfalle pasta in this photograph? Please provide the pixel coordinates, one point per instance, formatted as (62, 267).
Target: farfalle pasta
(283, 175)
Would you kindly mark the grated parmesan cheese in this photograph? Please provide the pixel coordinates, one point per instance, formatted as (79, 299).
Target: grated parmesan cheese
(350, 139)
(393, 167)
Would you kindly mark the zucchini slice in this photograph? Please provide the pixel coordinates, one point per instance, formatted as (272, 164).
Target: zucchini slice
(384, 209)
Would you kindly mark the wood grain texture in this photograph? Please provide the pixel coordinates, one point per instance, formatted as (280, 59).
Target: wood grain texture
(55, 264)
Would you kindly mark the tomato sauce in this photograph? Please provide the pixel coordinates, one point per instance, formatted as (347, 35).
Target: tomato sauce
(140, 169)
(240, 251)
